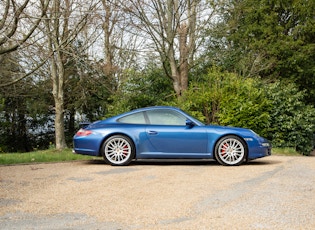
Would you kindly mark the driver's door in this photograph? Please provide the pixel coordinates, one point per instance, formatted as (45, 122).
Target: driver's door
(169, 134)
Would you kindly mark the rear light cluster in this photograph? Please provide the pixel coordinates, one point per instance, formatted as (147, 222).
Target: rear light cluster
(83, 132)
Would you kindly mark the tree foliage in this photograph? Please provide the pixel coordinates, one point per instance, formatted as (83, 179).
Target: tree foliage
(272, 39)
(140, 89)
(25, 114)
(228, 99)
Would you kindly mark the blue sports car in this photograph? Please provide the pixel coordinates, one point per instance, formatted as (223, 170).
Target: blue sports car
(163, 132)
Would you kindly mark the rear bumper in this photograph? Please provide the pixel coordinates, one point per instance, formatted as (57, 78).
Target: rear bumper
(88, 152)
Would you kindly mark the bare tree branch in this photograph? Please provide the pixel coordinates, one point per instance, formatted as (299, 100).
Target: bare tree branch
(5, 15)
(25, 75)
(11, 31)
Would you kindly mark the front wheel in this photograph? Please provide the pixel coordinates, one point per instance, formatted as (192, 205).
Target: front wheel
(118, 150)
(231, 151)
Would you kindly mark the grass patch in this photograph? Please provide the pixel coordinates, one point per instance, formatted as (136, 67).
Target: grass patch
(51, 155)
(285, 152)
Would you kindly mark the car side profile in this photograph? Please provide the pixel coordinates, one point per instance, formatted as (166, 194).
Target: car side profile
(163, 132)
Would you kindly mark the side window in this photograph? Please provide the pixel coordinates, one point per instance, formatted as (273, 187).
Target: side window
(165, 117)
(136, 118)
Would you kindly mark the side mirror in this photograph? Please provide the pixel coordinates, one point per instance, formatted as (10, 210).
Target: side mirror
(189, 123)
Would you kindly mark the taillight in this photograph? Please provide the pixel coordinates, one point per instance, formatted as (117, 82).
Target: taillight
(83, 132)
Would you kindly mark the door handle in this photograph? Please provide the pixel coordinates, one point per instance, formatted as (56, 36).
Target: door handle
(151, 132)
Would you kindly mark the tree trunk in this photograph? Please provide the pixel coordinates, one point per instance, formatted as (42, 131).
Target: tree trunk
(59, 125)
(183, 53)
(57, 74)
(175, 75)
(108, 65)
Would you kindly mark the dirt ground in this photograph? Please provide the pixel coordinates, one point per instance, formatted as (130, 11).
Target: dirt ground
(275, 192)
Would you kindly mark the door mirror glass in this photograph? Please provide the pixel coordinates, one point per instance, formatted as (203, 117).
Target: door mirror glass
(189, 123)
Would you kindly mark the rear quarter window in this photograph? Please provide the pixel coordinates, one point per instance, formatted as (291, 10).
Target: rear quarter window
(136, 118)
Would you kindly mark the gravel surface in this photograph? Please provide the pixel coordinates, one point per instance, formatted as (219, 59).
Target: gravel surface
(275, 192)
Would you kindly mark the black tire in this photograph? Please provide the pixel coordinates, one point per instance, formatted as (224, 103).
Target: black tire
(231, 151)
(118, 150)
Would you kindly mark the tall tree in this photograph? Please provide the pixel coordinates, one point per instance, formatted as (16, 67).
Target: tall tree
(64, 22)
(175, 29)
(274, 39)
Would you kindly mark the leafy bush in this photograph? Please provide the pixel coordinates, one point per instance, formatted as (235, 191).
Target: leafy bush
(228, 99)
(245, 105)
(292, 122)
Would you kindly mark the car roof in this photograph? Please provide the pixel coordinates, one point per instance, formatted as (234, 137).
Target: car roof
(114, 118)
(155, 107)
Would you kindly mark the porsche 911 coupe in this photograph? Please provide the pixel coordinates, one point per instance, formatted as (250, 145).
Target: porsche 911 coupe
(163, 132)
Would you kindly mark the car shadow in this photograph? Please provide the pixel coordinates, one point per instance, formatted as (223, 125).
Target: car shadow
(168, 162)
(156, 162)
(99, 161)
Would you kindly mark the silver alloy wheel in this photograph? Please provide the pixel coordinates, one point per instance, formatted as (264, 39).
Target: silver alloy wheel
(231, 151)
(117, 150)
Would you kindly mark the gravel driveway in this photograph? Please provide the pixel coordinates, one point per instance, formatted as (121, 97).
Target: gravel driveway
(276, 192)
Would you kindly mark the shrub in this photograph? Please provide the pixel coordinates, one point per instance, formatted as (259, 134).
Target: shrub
(228, 99)
(292, 122)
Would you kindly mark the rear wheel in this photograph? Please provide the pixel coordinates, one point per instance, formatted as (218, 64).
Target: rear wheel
(231, 150)
(118, 150)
